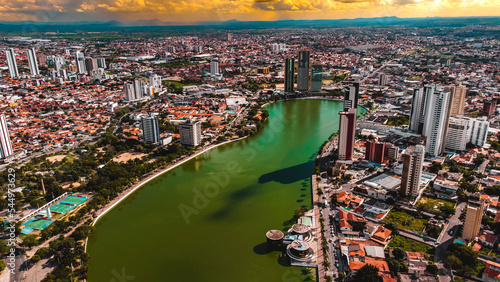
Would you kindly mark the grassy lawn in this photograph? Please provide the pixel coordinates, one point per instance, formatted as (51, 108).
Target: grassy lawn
(410, 245)
(433, 205)
(406, 221)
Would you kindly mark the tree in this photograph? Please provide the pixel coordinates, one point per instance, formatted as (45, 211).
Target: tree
(398, 253)
(35, 259)
(367, 273)
(2, 265)
(30, 241)
(432, 268)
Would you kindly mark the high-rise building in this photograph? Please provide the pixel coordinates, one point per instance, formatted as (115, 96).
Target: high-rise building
(479, 131)
(435, 121)
(316, 77)
(458, 100)
(6, 149)
(91, 65)
(417, 110)
(150, 129)
(214, 67)
(412, 171)
(375, 151)
(303, 72)
(351, 95)
(155, 82)
(129, 90)
(138, 88)
(33, 62)
(383, 80)
(228, 36)
(190, 133)
(473, 217)
(489, 107)
(101, 63)
(458, 133)
(11, 63)
(80, 62)
(289, 74)
(347, 130)
(391, 151)
(171, 49)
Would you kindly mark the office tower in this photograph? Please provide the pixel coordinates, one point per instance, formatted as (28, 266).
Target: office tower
(303, 73)
(6, 149)
(155, 82)
(316, 77)
(171, 49)
(347, 129)
(33, 62)
(417, 110)
(473, 217)
(289, 74)
(479, 131)
(489, 108)
(375, 151)
(190, 133)
(458, 100)
(214, 67)
(11, 63)
(90, 65)
(382, 80)
(435, 121)
(458, 134)
(412, 171)
(138, 88)
(150, 129)
(101, 63)
(129, 90)
(80, 62)
(351, 95)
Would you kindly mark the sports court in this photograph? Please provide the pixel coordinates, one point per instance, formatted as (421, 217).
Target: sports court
(74, 200)
(38, 223)
(61, 208)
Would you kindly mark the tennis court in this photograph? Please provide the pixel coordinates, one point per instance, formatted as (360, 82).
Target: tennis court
(59, 208)
(38, 224)
(74, 200)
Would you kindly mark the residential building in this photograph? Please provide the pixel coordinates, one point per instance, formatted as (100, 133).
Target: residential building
(33, 62)
(347, 130)
(6, 149)
(129, 90)
(289, 74)
(375, 151)
(412, 171)
(351, 96)
(214, 67)
(101, 63)
(150, 129)
(80, 62)
(190, 133)
(383, 80)
(11, 63)
(458, 101)
(473, 217)
(458, 133)
(155, 82)
(491, 272)
(90, 65)
(316, 77)
(435, 121)
(418, 109)
(303, 72)
(479, 131)
(489, 107)
(391, 151)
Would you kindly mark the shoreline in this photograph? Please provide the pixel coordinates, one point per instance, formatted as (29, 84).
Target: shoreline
(139, 184)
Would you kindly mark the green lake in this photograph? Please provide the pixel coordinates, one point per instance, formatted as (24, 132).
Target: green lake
(206, 220)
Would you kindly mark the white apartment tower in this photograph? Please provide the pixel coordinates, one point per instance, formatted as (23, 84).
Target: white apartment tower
(155, 82)
(150, 129)
(33, 62)
(190, 133)
(214, 67)
(80, 62)
(435, 121)
(11, 63)
(6, 149)
(458, 133)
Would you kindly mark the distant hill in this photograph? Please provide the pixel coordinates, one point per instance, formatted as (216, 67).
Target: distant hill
(156, 25)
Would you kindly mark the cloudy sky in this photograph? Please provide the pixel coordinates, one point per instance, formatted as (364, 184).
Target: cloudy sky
(203, 10)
